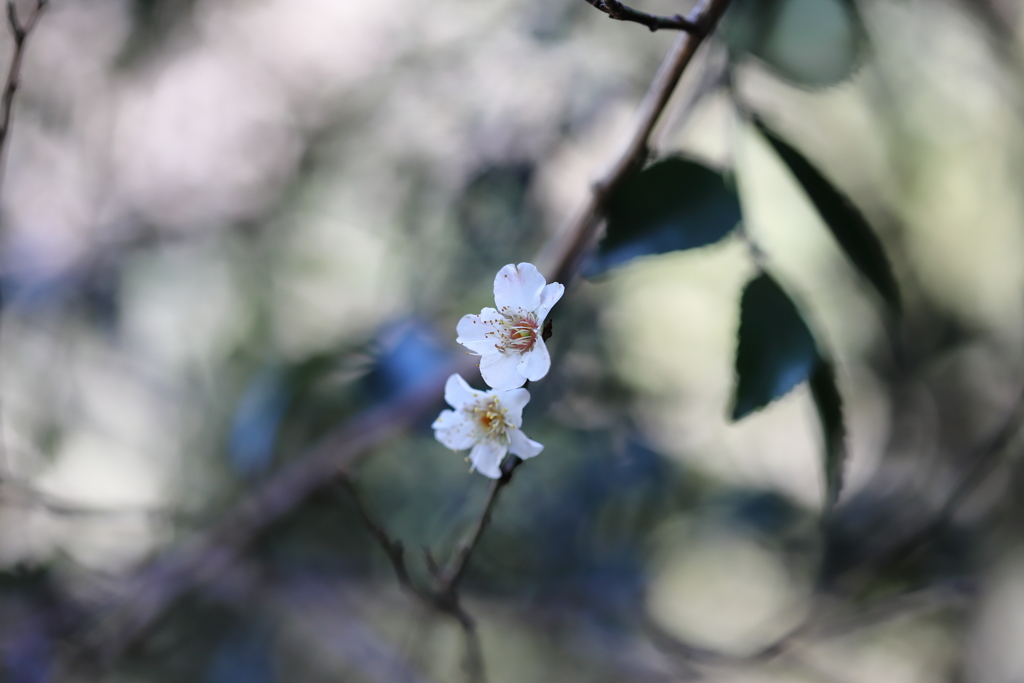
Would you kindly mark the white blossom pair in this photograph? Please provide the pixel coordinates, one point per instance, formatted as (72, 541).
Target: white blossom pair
(509, 341)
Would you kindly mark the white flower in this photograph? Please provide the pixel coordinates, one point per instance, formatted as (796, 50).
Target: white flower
(486, 421)
(508, 339)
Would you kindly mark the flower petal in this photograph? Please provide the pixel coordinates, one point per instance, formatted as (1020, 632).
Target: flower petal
(518, 288)
(477, 332)
(514, 401)
(499, 370)
(458, 393)
(486, 458)
(549, 296)
(454, 430)
(536, 362)
(522, 446)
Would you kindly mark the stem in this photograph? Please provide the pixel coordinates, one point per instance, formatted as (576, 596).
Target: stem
(452, 576)
(616, 10)
(20, 32)
(564, 254)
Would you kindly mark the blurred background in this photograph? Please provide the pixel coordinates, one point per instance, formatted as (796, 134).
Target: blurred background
(229, 226)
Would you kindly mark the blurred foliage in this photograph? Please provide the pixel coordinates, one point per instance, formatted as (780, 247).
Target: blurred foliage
(842, 217)
(811, 43)
(232, 227)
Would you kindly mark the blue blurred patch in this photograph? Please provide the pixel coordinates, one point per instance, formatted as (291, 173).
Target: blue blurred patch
(243, 657)
(27, 658)
(409, 355)
(256, 421)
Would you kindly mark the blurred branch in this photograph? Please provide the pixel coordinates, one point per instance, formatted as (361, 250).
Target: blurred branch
(983, 460)
(20, 32)
(919, 602)
(153, 589)
(616, 10)
(562, 257)
(444, 598)
(14, 492)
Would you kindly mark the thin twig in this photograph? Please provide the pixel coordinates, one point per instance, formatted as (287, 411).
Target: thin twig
(616, 10)
(451, 577)
(563, 255)
(393, 549)
(445, 599)
(20, 32)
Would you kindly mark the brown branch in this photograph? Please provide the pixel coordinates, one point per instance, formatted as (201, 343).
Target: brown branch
(451, 577)
(563, 255)
(393, 549)
(616, 10)
(20, 32)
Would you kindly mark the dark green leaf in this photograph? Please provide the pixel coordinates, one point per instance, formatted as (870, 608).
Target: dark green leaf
(776, 350)
(672, 205)
(830, 412)
(811, 43)
(842, 217)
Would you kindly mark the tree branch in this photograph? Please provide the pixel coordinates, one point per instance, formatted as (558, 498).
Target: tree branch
(616, 10)
(564, 253)
(20, 32)
(451, 576)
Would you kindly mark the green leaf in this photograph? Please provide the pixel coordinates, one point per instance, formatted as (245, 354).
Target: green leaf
(810, 43)
(843, 218)
(829, 405)
(776, 350)
(674, 204)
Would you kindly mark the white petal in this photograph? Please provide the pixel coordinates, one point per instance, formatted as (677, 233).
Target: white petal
(486, 458)
(458, 393)
(454, 430)
(499, 370)
(490, 315)
(522, 446)
(536, 362)
(518, 288)
(477, 333)
(549, 296)
(514, 401)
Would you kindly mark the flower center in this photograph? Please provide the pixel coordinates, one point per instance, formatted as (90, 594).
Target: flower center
(519, 332)
(490, 415)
